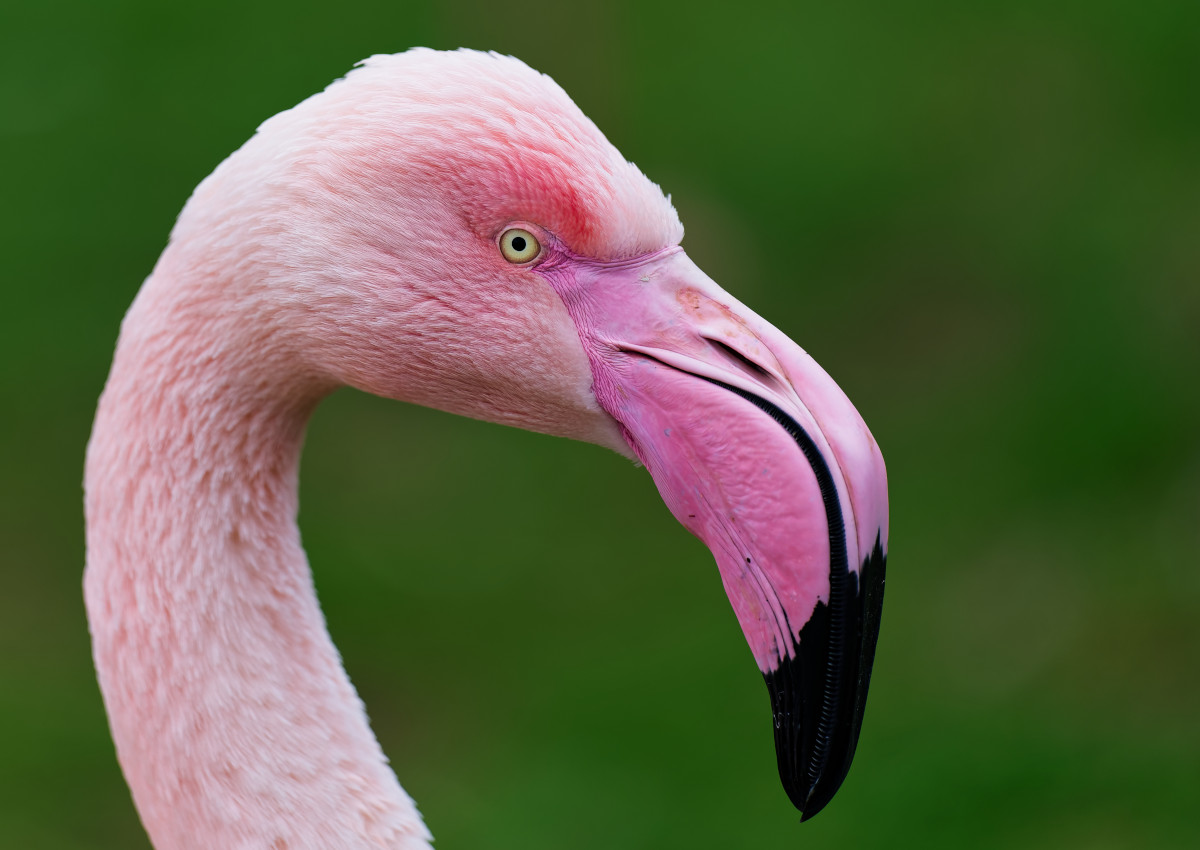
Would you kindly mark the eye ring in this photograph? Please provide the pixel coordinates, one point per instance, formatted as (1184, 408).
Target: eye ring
(519, 246)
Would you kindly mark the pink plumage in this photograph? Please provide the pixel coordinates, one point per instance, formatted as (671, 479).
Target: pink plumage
(355, 239)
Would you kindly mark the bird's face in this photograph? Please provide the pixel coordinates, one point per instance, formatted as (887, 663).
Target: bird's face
(486, 251)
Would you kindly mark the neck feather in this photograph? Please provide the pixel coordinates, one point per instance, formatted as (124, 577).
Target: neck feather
(234, 721)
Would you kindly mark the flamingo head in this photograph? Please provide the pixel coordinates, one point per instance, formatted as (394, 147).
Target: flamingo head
(451, 230)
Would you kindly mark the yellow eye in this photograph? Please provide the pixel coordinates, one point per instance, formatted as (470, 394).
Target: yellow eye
(519, 246)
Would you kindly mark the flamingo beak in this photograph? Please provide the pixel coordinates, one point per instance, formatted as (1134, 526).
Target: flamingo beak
(757, 452)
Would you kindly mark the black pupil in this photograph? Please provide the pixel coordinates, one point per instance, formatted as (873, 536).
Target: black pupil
(518, 244)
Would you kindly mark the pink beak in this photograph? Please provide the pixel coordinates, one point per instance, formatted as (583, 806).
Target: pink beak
(758, 453)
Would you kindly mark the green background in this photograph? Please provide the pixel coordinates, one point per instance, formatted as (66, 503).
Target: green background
(984, 222)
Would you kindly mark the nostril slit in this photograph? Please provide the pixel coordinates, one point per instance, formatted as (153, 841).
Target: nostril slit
(740, 359)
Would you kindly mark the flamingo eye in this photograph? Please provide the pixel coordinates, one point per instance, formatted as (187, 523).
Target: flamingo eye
(519, 246)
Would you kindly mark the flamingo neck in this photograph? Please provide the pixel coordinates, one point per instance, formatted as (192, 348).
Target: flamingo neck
(234, 720)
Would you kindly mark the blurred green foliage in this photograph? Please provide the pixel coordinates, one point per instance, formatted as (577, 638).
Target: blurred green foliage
(982, 219)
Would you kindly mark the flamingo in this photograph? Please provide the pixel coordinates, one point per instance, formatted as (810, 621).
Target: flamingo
(449, 229)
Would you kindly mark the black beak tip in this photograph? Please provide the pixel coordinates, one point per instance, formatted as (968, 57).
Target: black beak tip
(817, 798)
(811, 796)
(818, 694)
